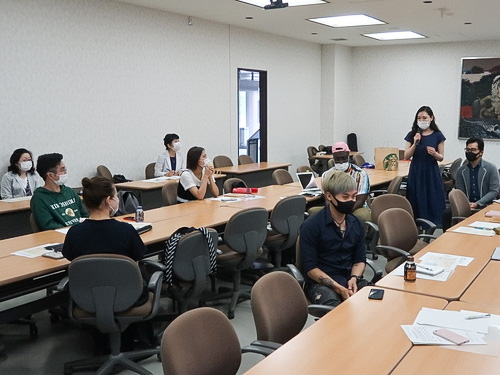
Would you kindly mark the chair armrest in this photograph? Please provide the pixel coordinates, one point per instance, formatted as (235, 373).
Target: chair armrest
(372, 236)
(377, 272)
(154, 286)
(63, 284)
(379, 192)
(258, 349)
(457, 219)
(157, 266)
(431, 226)
(318, 310)
(296, 274)
(426, 237)
(382, 249)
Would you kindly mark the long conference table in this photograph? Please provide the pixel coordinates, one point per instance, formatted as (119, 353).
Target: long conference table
(364, 336)
(21, 275)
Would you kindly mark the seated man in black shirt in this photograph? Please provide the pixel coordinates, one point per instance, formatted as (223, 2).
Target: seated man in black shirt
(332, 244)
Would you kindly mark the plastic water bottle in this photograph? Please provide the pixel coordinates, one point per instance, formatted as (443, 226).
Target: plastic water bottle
(410, 270)
(139, 214)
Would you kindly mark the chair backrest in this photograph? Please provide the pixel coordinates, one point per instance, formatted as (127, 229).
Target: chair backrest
(98, 291)
(34, 224)
(398, 229)
(304, 168)
(231, 182)
(395, 184)
(287, 217)
(246, 232)
(169, 193)
(331, 163)
(358, 159)
(279, 307)
(454, 168)
(459, 203)
(352, 141)
(103, 171)
(149, 171)
(311, 152)
(222, 161)
(202, 342)
(281, 177)
(191, 262)
(245, 159)
(386, 201)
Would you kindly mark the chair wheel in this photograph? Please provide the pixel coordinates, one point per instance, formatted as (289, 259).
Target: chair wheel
(33, 330)
(230, 315)
(54, 318)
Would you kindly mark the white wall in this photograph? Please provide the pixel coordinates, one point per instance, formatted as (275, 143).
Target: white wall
(102, 82)
(390, 83)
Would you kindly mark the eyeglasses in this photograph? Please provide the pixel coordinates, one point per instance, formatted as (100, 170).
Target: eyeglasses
(474, 150)
(340, 159)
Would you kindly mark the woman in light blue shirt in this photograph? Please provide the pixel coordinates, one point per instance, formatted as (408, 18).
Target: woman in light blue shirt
(171, 162)
(21, 180)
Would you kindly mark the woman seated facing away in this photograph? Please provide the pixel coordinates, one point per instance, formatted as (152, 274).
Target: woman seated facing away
(199, 177)
(100, 233)
(21, 180)
(171, 162)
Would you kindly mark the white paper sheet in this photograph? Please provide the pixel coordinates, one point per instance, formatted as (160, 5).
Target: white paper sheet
(446, 261)
(452, 319)
(423, 335)
(34, 252)
(475, 231)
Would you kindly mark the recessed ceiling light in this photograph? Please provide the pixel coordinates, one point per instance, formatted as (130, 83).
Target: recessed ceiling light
(347, 21)
(291, 3)
(395, 35)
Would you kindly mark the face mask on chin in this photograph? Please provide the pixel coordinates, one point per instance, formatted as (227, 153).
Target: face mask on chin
(423, 124)
(341, 166)
(344, 207)
(63, 178)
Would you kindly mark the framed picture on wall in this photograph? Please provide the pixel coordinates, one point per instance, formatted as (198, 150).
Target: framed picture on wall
(480, 98)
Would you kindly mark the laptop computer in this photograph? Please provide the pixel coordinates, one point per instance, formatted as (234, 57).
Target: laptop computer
(308, 182)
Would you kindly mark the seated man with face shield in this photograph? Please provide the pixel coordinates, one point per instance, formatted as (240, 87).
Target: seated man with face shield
(332, 244)
(340, 152)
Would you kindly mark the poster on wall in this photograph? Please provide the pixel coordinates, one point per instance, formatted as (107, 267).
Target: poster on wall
(480, 98)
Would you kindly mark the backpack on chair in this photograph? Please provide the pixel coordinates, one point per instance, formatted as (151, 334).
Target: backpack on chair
(128, 203)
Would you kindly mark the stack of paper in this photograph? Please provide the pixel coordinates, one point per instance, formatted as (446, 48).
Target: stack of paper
(470, 324)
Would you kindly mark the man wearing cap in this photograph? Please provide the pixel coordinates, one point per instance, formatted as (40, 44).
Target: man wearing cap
(340, 152)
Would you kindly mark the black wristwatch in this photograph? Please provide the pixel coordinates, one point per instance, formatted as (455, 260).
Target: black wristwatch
(358, 278)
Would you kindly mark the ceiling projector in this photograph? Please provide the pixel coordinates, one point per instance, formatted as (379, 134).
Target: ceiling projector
(278, 4)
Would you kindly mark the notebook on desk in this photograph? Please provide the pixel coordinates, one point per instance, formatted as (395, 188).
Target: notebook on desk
(141, 227)
(308, 182)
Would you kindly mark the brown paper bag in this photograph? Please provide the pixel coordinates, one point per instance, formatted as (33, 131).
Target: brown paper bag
(386, 158)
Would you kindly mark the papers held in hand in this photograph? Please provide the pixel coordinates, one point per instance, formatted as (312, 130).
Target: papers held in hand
(429, 270)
